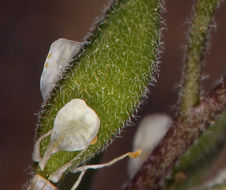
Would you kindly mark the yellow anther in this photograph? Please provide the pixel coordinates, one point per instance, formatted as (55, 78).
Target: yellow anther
(94, 140)
(135, 154)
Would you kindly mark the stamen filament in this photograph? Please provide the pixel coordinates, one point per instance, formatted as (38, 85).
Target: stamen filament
(55, 177)
(78, 180)
(36, 154)
(98, 166)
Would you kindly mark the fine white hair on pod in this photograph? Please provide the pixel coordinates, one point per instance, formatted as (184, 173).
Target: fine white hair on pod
(150, 132)
(60, 54)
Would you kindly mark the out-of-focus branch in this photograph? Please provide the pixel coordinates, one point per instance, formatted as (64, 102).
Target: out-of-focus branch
(182, 134)
(217, 187)
(196, 46)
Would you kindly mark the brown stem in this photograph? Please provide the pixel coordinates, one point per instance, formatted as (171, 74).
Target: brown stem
(179, 138)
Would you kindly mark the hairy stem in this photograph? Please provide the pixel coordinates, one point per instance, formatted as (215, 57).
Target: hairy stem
(190, 92)
(203, 160)
(179, 138)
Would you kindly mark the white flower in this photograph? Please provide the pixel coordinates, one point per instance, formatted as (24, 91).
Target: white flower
(60, 54)
(75, 127)
(149, 133)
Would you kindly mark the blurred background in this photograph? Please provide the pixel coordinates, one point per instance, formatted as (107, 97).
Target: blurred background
(27, 29)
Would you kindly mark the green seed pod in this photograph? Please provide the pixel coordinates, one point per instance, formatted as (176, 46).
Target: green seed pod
(110, 73)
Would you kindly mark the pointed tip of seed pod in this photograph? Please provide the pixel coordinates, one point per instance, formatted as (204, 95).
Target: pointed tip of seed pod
(135, 154)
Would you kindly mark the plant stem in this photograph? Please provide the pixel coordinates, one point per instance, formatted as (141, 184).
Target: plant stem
(190, 92)
(203, 160)
(180, 136)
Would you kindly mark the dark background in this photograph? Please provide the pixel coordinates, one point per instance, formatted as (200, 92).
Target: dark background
(28, 27)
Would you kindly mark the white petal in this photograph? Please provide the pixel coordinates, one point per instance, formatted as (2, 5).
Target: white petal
(60, 54)
(75, 126)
